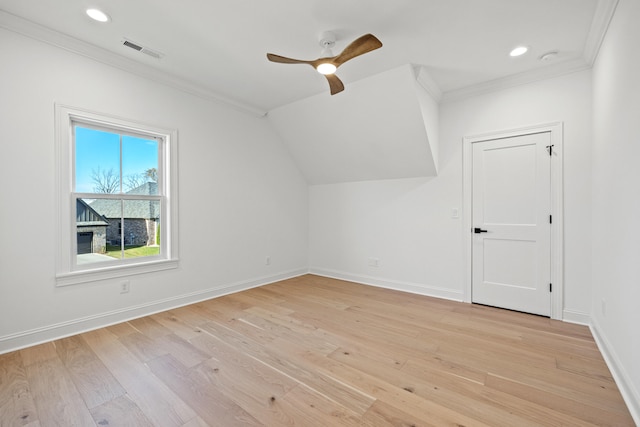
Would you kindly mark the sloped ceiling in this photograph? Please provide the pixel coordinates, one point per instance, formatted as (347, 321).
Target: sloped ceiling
(217, 48)
(384, 127)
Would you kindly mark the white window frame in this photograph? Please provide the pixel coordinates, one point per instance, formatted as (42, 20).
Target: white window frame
(68, 272)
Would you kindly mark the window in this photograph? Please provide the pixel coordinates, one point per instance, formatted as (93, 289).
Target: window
(117, 212)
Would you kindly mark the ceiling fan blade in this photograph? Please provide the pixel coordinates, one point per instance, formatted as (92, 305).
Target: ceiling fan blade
(284, 60)
(360, 46)
(335, 84)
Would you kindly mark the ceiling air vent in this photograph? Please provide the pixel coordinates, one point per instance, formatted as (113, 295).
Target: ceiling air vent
(142, 49)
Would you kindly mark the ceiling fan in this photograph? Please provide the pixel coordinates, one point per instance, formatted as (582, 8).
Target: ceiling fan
(327, 64)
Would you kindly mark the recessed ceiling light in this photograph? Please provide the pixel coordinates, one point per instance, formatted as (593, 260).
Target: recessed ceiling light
(98, 15)
(518, 51)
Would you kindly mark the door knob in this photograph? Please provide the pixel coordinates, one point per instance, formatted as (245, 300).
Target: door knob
(479, 230)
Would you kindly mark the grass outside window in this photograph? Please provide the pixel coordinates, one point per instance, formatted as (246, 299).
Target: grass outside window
(132, 251)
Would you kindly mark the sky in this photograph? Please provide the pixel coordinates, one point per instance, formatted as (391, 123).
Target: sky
(96, 149)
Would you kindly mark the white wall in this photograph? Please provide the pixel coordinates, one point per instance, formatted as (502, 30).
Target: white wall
(616, 200)
(403, 223)
(407, 224)
(241, 196)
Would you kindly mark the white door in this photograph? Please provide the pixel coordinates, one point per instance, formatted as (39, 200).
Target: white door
(511, 199)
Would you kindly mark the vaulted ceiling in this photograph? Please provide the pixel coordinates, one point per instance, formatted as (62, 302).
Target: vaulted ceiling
(218, 47)
(384, 124)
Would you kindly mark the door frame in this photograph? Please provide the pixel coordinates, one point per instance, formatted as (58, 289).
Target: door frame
(557, 241)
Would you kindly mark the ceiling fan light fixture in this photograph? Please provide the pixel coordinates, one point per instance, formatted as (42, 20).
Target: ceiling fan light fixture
(326, 68)
(98, 15)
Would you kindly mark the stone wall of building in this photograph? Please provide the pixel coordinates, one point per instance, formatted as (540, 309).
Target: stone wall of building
(137, 232)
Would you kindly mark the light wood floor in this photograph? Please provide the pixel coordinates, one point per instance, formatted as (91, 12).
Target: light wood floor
(313, 351)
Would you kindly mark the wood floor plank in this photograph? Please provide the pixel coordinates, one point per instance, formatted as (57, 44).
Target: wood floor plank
(122, 329)
(191, 316)
(588, 367)
(224, 308)
(93, 380)
(57, 400)
(185, 352)
(157, 401)
(307, 407)
(203, 396)
(316, 351)
(495, 357)
(557, 343)
(17, 407)
(567, 404)
(490, 405)
(603, 394)
(38, 353)
(398, 397)
(383, 415)
(257, 394)
(304, 373)
(446, 390)
(387, 359)
(522, 335)
(438, 363)
(359, 328)
(149, 327)
(255, 300)
(235, 332)
(195, 422)
(120, 411)
(245, 377)
(291, 330)
(143, 347)
(281, 318)
(172, 321)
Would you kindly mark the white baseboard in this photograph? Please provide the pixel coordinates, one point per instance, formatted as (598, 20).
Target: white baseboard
(72, 327)
(578, 317)
(630, 394)
(414, 288)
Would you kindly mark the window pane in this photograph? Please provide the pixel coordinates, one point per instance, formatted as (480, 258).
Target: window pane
(139, 165)
(141, 230)
(95, 222)
(97, 168)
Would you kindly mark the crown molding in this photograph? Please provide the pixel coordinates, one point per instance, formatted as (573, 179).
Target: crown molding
(38, 32)
(547, 72)
(426, 81)
(605, 10)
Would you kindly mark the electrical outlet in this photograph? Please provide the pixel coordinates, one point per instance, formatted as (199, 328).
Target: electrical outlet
(455, 213)
(124, 287)
(267, 260)
(374, 262)
(603, 307)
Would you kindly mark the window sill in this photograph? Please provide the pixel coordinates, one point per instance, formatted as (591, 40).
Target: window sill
(78, 277)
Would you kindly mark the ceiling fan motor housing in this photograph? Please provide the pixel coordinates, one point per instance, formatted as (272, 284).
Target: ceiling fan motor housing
(327, 39)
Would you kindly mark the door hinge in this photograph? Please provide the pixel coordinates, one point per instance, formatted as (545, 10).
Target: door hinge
(550, 149)
(550, 287)
(550, 219)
